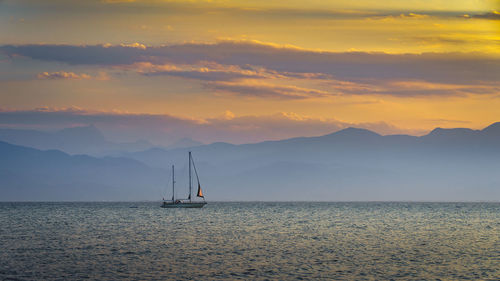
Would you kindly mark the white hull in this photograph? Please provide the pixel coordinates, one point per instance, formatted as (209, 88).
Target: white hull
(183, 205)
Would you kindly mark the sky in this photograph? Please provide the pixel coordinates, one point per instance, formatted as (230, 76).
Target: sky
(247, 71)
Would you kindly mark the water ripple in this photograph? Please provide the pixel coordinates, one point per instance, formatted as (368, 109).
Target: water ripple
(241, 241)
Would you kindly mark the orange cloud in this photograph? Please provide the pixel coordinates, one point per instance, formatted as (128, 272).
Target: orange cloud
(414, 16)
(266, 90)
(62, 75)
(252, 68)
(203, 70)
(411, 88)
(134, 45)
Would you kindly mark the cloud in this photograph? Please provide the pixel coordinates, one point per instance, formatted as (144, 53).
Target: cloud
(414, 15)
(493, 15)
(236, 8)
(117, 1)
(259, 89)
(202, 71)
(245, 67)
(228, 115)
(166, 129)
(391, 17)
(62, 75)
(454, 40)
(414, 88)
(105, 54)
(191, 7)
(445, 120)
(132, 45)
(427, 66)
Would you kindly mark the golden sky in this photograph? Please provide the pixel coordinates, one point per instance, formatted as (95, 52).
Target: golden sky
(255, 70)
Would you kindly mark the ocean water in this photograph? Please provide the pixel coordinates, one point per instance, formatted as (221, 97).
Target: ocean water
(228, 241)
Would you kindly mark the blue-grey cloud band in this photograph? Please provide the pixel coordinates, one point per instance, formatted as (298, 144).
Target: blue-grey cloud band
(436, 67)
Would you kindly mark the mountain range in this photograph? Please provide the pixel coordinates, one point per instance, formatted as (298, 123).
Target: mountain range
(81, 140)
(348, 165)
(31, 174)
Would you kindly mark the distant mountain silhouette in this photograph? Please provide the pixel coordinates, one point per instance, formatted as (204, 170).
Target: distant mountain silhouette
(491, 134)
(351, 164)
(184, 142)
(77, 140)
(31, 174)
(353, 133)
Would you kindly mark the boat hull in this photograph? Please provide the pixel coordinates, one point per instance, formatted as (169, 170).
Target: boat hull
(183, 205)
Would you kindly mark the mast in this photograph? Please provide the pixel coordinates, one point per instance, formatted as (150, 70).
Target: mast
(189, 197)
(173, 184)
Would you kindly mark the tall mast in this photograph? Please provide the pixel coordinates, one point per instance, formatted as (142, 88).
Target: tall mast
(173, 183)
(189, 197)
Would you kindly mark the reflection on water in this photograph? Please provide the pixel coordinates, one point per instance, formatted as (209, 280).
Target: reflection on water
(355, 241)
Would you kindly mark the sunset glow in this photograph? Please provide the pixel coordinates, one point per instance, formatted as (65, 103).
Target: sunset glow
(242, 72)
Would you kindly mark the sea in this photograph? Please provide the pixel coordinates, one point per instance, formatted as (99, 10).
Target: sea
(250, 241)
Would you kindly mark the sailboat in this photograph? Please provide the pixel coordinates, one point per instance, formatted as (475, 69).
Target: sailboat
(186, 203)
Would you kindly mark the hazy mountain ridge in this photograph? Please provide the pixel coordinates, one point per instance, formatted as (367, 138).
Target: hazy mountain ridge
(352, 141)
(76, 140)
(357, 164)
(351, 164)
(31, 174)
(82, 140)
